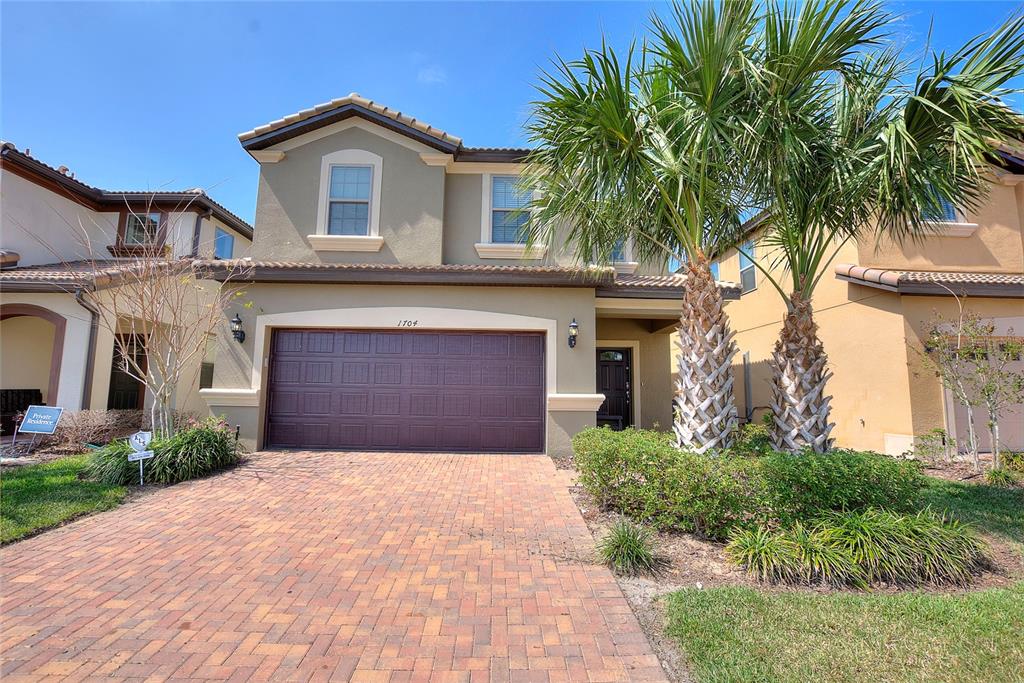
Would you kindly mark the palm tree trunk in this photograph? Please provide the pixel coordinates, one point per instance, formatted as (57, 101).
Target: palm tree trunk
(799, 375)
(705, 408)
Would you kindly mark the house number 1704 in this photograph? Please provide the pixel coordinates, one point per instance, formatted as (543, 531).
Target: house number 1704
(408, 323)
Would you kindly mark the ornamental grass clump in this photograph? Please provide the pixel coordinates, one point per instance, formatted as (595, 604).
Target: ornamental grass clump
(194, 451)
(627, 549)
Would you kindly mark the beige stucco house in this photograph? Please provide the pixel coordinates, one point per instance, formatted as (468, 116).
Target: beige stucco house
(390, 303)
(874, 309)
(53, 229)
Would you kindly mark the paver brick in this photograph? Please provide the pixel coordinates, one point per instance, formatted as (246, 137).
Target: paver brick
(326, 566)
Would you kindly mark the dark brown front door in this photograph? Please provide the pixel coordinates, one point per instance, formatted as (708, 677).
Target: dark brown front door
(408, 390)
(614, 380)
(126, 392)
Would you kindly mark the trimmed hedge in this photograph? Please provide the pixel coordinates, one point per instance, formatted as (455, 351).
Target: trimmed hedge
(193, 452)
(641, 474)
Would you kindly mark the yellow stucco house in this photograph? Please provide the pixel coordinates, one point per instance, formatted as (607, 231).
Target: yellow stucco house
(873, 311)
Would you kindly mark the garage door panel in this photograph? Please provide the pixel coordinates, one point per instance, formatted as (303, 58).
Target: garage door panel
(407, 390)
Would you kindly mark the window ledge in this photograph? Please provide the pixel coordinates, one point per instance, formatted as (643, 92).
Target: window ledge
(137, 250)
(575, 402)
(230, 397)
(951, 229)
(512, 251)
(625, 267)
(346, 242)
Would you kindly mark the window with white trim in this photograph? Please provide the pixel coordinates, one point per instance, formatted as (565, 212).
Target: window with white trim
(944, 212)
(748, 274)
(223, 244)
(349, 196)
(619, 251)
(508, 210)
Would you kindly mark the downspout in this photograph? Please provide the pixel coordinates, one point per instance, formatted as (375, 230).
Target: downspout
(197, 229)
(90, 358)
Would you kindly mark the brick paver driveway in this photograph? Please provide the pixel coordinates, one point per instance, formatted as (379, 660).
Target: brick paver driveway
(320, 566)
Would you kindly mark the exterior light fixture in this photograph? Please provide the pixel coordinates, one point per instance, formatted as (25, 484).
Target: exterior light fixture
(574, 331)
(236, 329)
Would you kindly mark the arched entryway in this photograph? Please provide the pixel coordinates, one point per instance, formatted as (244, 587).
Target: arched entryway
(33, 346)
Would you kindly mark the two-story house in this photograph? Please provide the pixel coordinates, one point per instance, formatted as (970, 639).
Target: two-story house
(391, 303)
(55, 229)
(874, 311)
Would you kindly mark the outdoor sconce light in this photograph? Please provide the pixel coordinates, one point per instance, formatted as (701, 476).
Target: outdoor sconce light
(236, 329)
(574, 331)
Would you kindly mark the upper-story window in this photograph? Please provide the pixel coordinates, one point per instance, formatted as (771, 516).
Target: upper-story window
(223, 244)
(748, 274)
(619, 251)
(945, 212)
(508, 217)
(350, 196)
(141, 229)
(715, 270)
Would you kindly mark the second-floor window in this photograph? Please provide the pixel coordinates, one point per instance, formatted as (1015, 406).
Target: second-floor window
(748, 274)
(507, 215)
(945, 212)
(619, 251)
(141, 228)
(715, 270)
(223, 244)
(349, 200)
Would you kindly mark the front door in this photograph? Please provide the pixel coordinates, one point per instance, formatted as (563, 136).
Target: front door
(614, 380)
(126, 392)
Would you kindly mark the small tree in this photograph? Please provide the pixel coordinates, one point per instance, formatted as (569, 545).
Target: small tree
(996, 383)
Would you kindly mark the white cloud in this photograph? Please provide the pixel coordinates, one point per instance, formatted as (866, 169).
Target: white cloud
(432, 74)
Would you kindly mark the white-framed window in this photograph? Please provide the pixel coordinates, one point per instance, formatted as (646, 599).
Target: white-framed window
(142, 228)
(748, 273)
(508, 215)
(223, 244)
(619, 252)
(945, 212)
(350, 182)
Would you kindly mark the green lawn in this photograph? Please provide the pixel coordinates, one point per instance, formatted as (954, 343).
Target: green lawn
(991, 509)
(741, 634)
(40, 496)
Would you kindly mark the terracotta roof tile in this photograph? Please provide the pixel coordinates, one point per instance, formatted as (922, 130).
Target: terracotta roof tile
(356, 99)
(939, 282)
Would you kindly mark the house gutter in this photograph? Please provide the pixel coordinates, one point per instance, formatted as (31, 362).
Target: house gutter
(90, 358)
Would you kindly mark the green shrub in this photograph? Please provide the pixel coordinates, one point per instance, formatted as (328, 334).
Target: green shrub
(1003, 477)
(800, 486)
(195, 451)
(626, 549)
(752, 439)
(855, 548)
(640, 473)
(1013, 460)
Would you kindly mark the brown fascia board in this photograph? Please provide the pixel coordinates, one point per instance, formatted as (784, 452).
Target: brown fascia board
(269, 274)
(728, 293)
(341, 113)
(491, 156)
(102, 200)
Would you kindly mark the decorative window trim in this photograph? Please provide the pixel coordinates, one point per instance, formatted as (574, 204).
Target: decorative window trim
(345, 242)
(349, 157)
(121, 249)
(953, 229)
(509, 250)
(487, 248)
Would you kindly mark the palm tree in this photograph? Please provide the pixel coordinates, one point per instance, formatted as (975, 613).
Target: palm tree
(853, 149)
(647, 149)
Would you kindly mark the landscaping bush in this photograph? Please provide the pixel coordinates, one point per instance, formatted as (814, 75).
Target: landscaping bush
(626, 549)
(641, 474)
(193, 452)
(800, 486)
(753, 438)
(1013, 460)
(77, 428)
(1003, 477)
(871, 546)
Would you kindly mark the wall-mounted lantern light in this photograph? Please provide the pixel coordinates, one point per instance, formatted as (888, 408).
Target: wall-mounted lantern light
(574, 331)
(236, 329)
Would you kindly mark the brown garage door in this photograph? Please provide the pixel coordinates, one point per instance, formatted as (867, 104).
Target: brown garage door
(407, 391)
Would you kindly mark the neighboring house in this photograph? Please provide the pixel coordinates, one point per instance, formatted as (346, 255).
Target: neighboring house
(54, 228)
(874, 311)
(393, 306)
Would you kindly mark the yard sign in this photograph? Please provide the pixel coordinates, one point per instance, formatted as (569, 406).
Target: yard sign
(37, 420)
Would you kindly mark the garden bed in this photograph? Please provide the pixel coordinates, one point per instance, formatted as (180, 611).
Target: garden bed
(695, 564)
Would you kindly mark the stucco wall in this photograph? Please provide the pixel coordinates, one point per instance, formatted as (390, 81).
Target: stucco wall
(26, 344)
(653, 380)
(411, 207)
(997, 246)
(570, 371)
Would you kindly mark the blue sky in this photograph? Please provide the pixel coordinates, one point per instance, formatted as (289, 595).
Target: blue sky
(150, 96)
